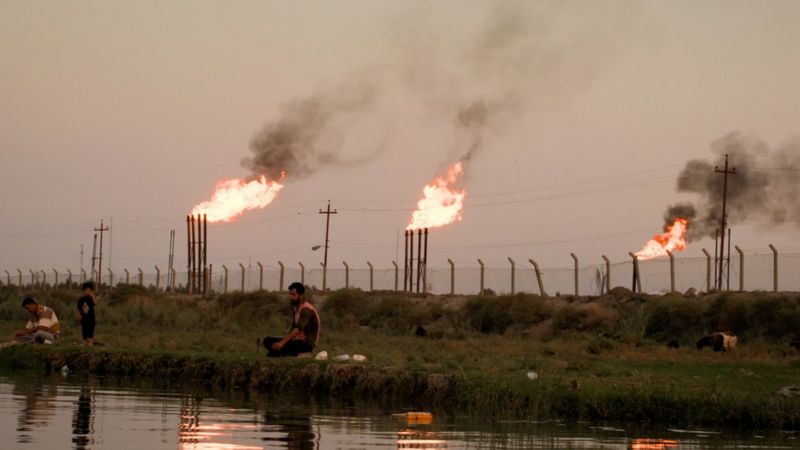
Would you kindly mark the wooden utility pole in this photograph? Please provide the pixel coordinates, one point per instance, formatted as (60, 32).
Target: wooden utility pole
(327, 213)
(102, 229)
(725, 172)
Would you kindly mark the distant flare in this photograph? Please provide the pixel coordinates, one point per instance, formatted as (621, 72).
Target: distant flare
(441, 203)
(233, 197)
(674, 238)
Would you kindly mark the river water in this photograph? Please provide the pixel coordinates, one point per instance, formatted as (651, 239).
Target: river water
(55, 411)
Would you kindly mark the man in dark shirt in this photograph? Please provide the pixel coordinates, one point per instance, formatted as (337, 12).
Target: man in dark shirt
(86, 313)
(304, 334)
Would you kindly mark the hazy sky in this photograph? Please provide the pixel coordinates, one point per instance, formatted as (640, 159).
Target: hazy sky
(588, 111)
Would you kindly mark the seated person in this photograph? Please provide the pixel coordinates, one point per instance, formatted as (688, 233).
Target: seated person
(304, 334)
(42, 324)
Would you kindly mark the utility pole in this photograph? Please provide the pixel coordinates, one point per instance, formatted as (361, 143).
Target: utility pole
(725, 172)
(102, 229)
(327, 213)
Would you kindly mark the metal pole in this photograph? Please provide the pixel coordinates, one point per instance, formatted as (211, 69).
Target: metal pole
(225, 282)
(538, 277)
(188, 253)
(607, 283)
(205, 253)
(452, 276)
(110, 278)
(728, 263)
(158, 278)
(716, 250)
(637, 279)
(396, 274)
(127, 277)
(141, 277)
(512, 274)
(55, 278)
(302, 274)
(741, 267)
(370, 276)
(774, 268)
(19, 286)
(411, 261)
(260, 276)
(482, 269)
(708, 269)
(242, 267)
(280, 286)
(671, 271)
(69, 279)
(405, 261)
(346, 275)
(576, 273)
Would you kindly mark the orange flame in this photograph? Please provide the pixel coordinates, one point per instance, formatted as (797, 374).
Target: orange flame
(233, 197)
(672, 239)
(440, 204)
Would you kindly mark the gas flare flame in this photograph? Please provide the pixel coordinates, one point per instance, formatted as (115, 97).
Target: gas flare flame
(232, 197)
(441, 203)
(672, 239)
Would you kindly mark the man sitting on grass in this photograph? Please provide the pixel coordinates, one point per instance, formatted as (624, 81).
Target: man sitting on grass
(304, 333)
(42, 324)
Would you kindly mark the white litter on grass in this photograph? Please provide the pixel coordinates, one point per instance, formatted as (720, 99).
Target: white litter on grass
(343, 357)
(322, 356)
(64, 370)
(532, 375)
(359, 358)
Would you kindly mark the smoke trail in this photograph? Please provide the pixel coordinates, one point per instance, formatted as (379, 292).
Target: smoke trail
(309, 134)
(765, 188)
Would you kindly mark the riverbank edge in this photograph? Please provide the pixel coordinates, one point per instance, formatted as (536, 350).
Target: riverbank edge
(448, 393)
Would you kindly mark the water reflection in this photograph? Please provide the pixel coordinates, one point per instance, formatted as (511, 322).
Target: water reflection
(36, 406)
(102, 414)
(83, 420)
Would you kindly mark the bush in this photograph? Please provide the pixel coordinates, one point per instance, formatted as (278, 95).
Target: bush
(674, 318)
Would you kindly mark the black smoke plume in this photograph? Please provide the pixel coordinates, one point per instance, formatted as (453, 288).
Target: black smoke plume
(765, 188)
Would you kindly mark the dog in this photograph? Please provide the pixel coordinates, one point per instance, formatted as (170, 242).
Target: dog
(719, 341)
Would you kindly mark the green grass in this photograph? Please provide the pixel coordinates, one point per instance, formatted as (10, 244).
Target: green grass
(600, 358)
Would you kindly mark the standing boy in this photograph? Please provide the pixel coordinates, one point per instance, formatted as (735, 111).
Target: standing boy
(86, 312)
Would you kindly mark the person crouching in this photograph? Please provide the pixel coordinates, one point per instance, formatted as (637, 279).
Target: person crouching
(42, 326)
(304, 333)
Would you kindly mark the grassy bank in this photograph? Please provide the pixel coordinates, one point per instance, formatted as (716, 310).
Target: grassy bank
(594, 358)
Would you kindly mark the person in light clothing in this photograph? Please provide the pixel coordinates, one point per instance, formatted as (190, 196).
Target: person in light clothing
(42, 326)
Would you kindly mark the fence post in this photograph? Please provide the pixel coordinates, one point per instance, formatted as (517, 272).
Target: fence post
(302, 274)
(173, 273)
(512, 274)
(671, 271)
(55, 283)
(260, 276)
(370, 275)
(210, 277)
(127, 276)
(34, 278)
(452, 276)
(741, 267)
(280, 286)
(110, 278)
(346, 275)
(637, 285)
(708, 269)
(8, 277)
(576, 273)
(83, 276)
(396, 274)
(141, 277)
(608, 275)
(242, 267)
(774, 268)
(482, 269)
(69, 279)
(538, 277)
(225, 280)
(44, 279)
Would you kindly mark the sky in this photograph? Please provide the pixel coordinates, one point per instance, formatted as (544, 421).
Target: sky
(574, 121)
